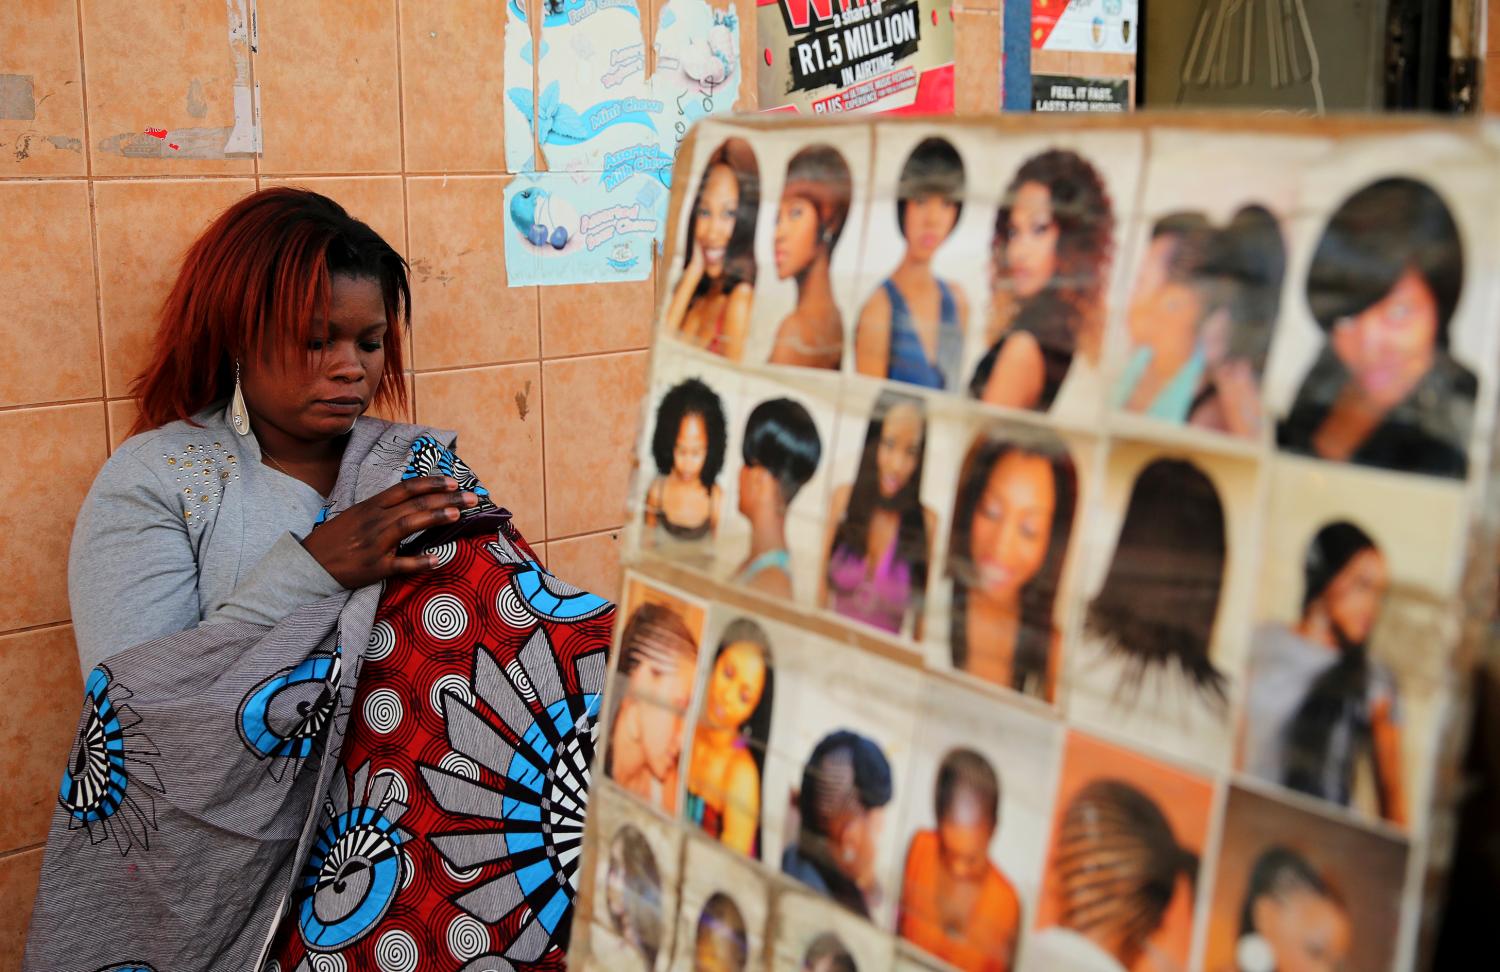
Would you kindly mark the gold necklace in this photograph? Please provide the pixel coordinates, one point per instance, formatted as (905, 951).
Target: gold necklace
(280, 468)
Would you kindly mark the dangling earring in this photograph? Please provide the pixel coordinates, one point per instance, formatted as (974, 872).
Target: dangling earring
(237, 413)
(1252, 953)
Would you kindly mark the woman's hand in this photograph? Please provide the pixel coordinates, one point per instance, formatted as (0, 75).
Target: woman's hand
(358, 547)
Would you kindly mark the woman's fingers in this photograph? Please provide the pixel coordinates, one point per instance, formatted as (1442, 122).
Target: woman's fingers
(413, 564)
(423, 512)
(410, 489)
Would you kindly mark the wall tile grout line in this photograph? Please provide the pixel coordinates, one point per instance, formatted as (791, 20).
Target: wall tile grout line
(61, 403)
(30, 628)
(541, 385)
(411, 346)
(88, 168)
(586, 534)
(18, 851)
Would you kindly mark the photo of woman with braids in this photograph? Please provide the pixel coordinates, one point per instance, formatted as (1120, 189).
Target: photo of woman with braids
(879, 539)
(1298, 891)
(1200, 321)
(1118, 893)
(683, 500)
(1012, 523)
(956, 904)
(912, 327)
(1384, 285)
(1051, 256)
(1321, 713)
(729, 743)
(710, 306)
(809, 221)
(653, 686)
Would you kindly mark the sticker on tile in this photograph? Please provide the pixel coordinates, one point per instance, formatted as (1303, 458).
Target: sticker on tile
(520, 97)
(572, 228)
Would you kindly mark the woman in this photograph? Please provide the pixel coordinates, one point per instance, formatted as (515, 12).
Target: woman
(956, 905)
(688, 446)
(912, 328)
(1012, 520)
(828, 953)
(729, 743)
(1319, 708)
(1292, 919)
(722, 943)
(1200, 321)
(1053, 243)
(809, 221)
(632, 893)
(1155, 612)
(711, 306)
(658, 655)
(1116, 869)
(780, 450)
(221, 550)
(879, 539)
(1384, 284)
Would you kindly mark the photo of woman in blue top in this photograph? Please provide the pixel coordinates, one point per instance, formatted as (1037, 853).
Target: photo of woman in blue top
(912, 327)
(1201, 318)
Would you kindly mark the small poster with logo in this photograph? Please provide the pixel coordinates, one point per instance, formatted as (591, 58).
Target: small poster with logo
(833, 56)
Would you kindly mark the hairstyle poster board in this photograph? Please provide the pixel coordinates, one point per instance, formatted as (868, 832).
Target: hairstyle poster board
(823, 57)
(1184, 589)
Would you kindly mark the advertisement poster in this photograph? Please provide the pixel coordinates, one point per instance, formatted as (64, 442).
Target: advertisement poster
(1085, 26)
(831, 56)
(581, 227)
(593, 216)
(1051, 92)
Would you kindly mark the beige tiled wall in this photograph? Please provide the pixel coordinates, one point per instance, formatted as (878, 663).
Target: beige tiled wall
(392, 108)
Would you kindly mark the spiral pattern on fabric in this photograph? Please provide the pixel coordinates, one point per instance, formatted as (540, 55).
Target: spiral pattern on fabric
(443, 553)
(444, 617)
(396, 951)
(327, 962)
(467, 938)
(383, 710)
(460, 765)
(382, 641)
(512, 608)
(521, 679)
(399, 791)
(449, 685)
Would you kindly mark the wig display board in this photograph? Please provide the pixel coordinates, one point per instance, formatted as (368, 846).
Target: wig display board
(1059, 543)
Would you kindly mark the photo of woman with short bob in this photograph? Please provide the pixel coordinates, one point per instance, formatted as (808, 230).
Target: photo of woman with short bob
(780, 450)
(729, 743)
(880, 535)
(710, 307)
(1200, 320)
(956, 904)
(633, 893)
(683, 500)
(1155, 613)
(1012, 522)
(1384, 285)
(912, 328)
(1052, 251)
(809, 221)
(1320, 710)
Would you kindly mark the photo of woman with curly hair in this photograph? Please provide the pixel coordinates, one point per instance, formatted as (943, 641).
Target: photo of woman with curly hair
(809, 221)
(682, 502)
(912, 327)
(1051, 256)
(711, 306)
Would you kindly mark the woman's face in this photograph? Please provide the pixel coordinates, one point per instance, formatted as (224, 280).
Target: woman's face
(1031, 250)
(1163, 313)
(315, 397)
(929, 219)
(899, 449)
(661, 688)
(1355, 594)
(713, 223)
(1012, 524)
(1390, 345)
(796, 236)
(712, 953)
(691, 450)
(964, 837)
(1306, 931)
(739, 678)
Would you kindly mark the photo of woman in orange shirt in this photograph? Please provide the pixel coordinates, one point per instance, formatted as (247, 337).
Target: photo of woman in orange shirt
(955, 903)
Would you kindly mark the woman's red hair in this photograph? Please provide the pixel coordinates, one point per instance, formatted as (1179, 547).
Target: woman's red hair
(258, 279)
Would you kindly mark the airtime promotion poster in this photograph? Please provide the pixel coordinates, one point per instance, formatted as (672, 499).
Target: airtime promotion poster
(832, 56)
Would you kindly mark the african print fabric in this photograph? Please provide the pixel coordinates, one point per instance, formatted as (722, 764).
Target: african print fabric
(450, 837)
